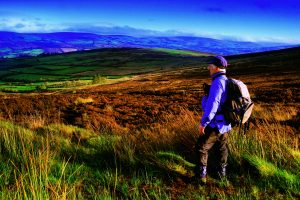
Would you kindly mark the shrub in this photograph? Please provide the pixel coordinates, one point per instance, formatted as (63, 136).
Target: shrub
(43, 87)
(99, 79)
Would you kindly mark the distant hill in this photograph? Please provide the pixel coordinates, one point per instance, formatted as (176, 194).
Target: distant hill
(60, 71)
(131, 61)
(86, 64)
(270, 62)
(32, 44)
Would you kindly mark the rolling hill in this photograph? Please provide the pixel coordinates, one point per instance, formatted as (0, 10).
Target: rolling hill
(86, 64)
(32, 44)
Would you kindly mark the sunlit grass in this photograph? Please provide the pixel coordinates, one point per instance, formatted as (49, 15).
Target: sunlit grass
(80, 100)
(171, 156)
(181, 52)
(58, 161)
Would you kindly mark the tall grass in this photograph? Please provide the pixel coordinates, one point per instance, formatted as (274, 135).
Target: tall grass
(58, 161)
(26, 164)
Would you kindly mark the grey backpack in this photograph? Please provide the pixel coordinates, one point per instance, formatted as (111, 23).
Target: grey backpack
(238, 106)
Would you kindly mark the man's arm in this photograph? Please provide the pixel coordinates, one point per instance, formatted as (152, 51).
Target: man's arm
(212, 103)
(203, 104)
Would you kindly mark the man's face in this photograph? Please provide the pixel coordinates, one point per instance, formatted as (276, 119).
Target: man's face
(212, 69)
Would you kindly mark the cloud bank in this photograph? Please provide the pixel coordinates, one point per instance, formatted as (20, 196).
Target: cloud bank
(25, 25)
(36, 25)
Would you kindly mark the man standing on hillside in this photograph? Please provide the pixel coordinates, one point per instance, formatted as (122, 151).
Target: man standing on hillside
(213, 127)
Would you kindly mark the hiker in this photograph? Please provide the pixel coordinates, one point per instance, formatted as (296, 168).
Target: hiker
(213, 128)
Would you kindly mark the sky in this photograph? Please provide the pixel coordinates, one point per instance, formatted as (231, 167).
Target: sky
(247, 20)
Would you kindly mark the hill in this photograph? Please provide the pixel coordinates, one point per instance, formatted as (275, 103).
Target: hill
(115, 61)
(110, 63)
(272, 77)
(135, 139)
(32, 44)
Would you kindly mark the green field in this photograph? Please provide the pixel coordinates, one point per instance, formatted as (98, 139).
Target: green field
(21, 74)
(181, 52)
(48, 85)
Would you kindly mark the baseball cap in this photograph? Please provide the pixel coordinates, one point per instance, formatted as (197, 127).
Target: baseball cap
(219, 61)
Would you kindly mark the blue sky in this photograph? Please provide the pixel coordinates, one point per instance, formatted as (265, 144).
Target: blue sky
(252, 20)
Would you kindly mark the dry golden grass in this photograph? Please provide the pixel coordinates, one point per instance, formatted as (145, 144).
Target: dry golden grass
(80, 100)
(270, 146)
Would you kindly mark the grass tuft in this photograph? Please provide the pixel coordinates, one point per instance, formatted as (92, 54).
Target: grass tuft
(267, 169)
(80, 100)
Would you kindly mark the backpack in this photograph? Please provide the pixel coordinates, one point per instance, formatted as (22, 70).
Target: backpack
(238, 107)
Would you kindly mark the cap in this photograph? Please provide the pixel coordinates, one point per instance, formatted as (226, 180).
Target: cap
(219, 61)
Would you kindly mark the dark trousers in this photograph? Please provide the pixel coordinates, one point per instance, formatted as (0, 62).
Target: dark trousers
(206, 142)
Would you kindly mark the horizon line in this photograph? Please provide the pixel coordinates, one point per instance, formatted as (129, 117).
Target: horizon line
(163, 34)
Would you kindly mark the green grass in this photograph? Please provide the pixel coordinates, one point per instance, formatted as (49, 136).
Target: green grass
(18, 88)
(181, 52)
(52, 67)
(68, 162)
(34, 78)
(269, 170)
(65, 83)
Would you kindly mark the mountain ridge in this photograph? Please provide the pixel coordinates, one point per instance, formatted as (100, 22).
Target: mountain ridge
(14, 44)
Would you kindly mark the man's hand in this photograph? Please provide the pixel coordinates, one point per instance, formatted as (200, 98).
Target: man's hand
(201, 130)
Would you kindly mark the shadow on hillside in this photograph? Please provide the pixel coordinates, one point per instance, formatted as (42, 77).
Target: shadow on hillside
(294, 122)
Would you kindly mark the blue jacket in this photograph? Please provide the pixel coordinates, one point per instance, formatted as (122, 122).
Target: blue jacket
(211, 105)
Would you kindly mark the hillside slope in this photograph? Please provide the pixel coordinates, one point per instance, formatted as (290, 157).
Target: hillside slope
(272, 78)
(135, 139)
(86, 64)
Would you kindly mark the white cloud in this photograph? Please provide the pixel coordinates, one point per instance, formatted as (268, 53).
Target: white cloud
(37, 25)
(257, 39)
(26, 25)
(267, 39)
